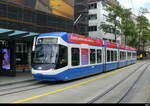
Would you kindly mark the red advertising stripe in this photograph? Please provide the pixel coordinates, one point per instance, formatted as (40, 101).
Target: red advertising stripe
(83, 40)
(112, 45)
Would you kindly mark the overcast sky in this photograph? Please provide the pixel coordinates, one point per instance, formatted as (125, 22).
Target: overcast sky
(136, 4)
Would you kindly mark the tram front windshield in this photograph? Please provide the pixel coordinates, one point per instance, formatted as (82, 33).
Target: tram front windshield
(49, 56)
(45, 54)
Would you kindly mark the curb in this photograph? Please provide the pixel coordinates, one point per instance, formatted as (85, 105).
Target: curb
(17, 82)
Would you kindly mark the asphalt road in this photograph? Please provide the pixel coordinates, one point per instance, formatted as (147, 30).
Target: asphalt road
(130, 84)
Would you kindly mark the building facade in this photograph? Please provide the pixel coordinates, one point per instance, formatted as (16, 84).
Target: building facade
(81, 17)
(99, 15)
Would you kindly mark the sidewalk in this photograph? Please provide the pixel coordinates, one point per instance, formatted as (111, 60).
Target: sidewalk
(20, 77)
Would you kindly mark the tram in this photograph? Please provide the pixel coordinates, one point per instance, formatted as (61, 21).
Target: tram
(62, 56)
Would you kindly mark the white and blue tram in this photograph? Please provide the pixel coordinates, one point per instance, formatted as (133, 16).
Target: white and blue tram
(62, 56)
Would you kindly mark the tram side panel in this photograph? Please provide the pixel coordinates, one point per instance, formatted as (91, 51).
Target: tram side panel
(134, 57)
(85, 65)
(111, 59)
(122, 58)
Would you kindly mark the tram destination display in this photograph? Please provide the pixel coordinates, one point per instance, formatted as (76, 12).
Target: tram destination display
(47, 41)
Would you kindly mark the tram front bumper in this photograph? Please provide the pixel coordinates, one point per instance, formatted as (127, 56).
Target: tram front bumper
(42, 77)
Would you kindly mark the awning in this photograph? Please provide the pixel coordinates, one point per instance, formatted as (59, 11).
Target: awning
(10, 34)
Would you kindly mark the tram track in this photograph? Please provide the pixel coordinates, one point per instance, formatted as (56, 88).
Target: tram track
(14, 83)
(121, 99)
(22, 87)
(29, 86)
(17, 85)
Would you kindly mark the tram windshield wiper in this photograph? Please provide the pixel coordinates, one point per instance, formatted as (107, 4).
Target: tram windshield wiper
(45, 53)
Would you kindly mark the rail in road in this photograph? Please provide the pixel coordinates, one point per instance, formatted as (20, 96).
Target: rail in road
(120, 91)
(122, 98)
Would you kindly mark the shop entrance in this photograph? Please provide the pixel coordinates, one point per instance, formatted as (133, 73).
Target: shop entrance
(7, 58)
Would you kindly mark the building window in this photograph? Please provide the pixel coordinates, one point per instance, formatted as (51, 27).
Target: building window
(105, 5)
(92, 28)
(93, 6)
(75, 56)
(93, 17)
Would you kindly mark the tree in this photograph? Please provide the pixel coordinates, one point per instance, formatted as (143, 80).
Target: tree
(145, 39)
(127, 25)
(135, 30)
(113, 16)
(143, 29)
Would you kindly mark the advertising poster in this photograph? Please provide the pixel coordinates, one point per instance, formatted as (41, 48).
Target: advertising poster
(84, 56)
(6, 59)
(64, 8)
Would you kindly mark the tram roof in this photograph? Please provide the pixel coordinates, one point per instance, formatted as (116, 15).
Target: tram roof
(74, 38)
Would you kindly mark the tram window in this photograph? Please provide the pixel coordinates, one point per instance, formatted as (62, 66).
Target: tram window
(75, 56)
(92, 56)
(63, 57)
(115, 55)
(112, 55)
(108, 55)
(122, 55)
(99, 56)
(129, 55)
(134, 55)
(84, 56)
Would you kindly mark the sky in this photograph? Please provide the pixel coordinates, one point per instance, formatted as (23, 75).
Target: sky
(135, 5)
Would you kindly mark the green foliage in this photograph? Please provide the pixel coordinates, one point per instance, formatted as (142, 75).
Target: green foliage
(143, 29)
(114, 12)
(135, 30)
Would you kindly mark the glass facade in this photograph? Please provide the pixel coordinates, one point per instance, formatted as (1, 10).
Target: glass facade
(63, 8)
(39, 16)
(26, 19)
(81, 9)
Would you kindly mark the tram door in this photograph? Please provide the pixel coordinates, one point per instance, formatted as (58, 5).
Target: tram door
(7, 58)
(104, 58)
